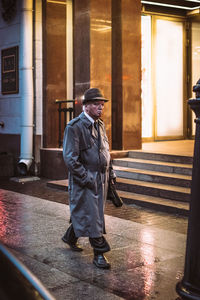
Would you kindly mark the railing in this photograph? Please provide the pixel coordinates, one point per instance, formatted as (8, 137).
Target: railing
(68, 114)
(17, 282)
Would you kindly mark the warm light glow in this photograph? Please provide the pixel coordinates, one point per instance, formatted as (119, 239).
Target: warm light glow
(2, 219)
(100, 25)
(169, 5)
(147, 105)
(56, 2)
(101, 28)
(169, 78)
(10, 214)
(148, 257)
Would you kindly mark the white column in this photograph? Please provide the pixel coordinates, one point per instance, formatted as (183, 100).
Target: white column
(26, 87)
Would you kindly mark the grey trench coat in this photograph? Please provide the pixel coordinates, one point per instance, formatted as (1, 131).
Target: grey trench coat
(87, 158)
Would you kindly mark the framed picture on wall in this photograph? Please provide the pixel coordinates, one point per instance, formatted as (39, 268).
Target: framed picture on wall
(10, 70)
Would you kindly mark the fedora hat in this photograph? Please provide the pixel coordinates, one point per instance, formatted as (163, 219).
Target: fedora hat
(92, 95)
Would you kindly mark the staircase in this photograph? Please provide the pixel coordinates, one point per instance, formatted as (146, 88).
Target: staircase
(155, 181)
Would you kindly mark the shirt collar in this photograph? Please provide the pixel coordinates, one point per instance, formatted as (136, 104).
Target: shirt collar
(90, 118)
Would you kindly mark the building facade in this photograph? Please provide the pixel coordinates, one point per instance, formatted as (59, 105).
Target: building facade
(143, 55)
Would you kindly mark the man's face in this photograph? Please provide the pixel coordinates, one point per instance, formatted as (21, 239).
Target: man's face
(94, 109)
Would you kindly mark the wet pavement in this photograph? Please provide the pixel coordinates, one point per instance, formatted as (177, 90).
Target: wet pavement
(148, 248)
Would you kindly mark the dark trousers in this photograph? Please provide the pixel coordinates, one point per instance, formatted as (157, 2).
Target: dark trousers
(99, 244)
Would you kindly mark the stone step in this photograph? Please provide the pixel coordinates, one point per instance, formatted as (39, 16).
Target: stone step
(58, 184)
(155, 203)
(132, 198)
(160, 157)
(138, 187)
(150, 202)
(154, 189)
(159, 166)
(153, 176)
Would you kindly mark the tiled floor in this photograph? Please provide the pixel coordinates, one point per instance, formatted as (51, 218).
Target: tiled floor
(146, 260)
(179, 147)
(133, 213)
(148, 247)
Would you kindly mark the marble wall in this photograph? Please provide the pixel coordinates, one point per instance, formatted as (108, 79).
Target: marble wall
(107, 55)
(100, 54)
(81, 50)
(126, 74)
(131, 73)
(117, 97)
(54, 57)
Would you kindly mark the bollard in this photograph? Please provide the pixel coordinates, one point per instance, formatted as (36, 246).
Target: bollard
(189, 287)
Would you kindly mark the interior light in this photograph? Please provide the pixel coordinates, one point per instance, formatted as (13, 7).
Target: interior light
(56, 2)
(170, 5)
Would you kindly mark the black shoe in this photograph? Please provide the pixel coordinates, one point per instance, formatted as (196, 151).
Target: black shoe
(101, 261)
(74, 246)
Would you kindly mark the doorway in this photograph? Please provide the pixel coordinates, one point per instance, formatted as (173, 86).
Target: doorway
(163, 78)
(195, 63)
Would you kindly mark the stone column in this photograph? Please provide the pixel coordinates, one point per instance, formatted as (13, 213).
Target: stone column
(54, 68)
(189, 287)
(81, 50)
(92, 51)
(107, 55)
(26, 87)
(126, 74)
(100, 53)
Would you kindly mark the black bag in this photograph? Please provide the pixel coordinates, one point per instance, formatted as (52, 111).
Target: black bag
(113, 195)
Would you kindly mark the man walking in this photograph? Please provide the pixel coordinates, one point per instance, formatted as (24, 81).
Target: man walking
(86, 155)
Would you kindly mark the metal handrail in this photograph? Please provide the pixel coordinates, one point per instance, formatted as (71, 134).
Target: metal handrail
(16, 281)
(68, 112)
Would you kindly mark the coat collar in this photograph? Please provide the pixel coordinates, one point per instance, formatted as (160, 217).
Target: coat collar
(87, 122)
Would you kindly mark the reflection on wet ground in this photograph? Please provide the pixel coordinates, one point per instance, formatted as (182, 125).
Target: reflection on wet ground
(147, 258)
(10, 219)
(133, 213)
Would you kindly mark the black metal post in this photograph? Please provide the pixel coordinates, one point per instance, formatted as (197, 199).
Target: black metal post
(189, 287)
(17, 282)
(65, 110)
(59, 124)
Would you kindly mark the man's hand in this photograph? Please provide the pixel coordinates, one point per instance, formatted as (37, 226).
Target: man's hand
(113, 180)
